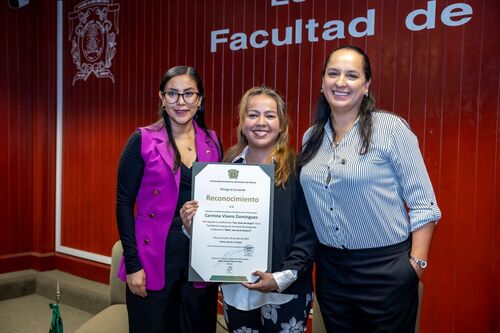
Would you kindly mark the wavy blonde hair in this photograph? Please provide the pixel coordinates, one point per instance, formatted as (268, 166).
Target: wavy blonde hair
(282, 155)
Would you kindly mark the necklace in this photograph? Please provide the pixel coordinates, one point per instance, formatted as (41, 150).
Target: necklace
(188, 147)
(335, 144)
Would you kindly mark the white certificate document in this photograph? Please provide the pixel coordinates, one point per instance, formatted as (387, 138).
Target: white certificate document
(232, 229)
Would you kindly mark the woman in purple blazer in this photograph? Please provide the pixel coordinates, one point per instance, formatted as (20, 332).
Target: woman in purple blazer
(154, 175)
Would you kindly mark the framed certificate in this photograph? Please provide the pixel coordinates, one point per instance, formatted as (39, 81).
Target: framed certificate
(232, 229)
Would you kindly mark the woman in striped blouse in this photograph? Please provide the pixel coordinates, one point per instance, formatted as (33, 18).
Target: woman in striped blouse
(371, 202)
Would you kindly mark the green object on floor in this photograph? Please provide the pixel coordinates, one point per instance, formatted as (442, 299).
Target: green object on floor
(56, 324)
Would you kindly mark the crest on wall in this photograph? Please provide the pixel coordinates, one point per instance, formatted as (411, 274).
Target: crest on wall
(93, 26)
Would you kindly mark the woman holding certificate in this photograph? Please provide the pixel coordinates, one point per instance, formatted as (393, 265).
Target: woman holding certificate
(154, 175)
(282, 299)
(371, 200)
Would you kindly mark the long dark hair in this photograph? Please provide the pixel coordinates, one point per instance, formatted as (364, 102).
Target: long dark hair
(199, 117)
(323, 113)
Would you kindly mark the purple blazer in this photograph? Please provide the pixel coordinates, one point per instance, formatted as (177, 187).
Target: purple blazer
(157, 198)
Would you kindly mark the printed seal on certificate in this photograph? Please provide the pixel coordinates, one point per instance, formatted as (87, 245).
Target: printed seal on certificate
(248, 250)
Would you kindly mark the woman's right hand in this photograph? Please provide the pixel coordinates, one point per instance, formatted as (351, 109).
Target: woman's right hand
(137, 283)
(187, 213)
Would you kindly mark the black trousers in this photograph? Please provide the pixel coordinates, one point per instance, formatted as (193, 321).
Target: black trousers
(179, 306)
(368, 290)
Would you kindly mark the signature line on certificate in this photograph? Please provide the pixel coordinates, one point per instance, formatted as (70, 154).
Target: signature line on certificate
(229, 254)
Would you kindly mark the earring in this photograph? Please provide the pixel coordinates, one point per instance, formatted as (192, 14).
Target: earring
(366, 94)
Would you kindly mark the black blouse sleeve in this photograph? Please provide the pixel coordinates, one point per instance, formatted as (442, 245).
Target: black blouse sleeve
(305, 241)
(130, 172)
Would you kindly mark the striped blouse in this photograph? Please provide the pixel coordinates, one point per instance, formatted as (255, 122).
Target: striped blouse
(372, 200)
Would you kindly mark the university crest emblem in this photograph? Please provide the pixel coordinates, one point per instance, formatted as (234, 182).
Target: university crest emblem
(232, 173)
(93, 26)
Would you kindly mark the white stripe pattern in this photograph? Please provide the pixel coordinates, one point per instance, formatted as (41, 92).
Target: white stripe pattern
(360, 201)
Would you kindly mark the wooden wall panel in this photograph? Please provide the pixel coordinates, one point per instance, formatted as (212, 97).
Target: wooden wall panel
(441, 80)
(27, 92)
(44, 96)
(445, 81)
(23, 113)
(16, 137)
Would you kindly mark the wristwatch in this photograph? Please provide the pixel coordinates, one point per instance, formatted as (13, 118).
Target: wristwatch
(420, 262)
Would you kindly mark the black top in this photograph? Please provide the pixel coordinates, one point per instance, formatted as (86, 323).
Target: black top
(294, 237)
(130, 172)
(184, 188)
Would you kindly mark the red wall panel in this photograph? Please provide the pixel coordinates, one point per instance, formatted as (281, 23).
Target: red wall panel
(16, 137)
(27, 92)
(445, 81)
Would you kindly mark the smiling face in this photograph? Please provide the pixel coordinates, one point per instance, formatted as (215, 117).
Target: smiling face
(180, 112)
(344, 82)
(261, 124)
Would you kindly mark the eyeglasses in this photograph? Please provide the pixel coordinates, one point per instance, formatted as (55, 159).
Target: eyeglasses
(189, 97)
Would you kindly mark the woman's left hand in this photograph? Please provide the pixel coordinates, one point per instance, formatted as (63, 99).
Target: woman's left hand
(187, 212)
(265, 284)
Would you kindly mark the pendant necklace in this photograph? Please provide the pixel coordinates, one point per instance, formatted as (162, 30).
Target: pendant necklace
(189, 148)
